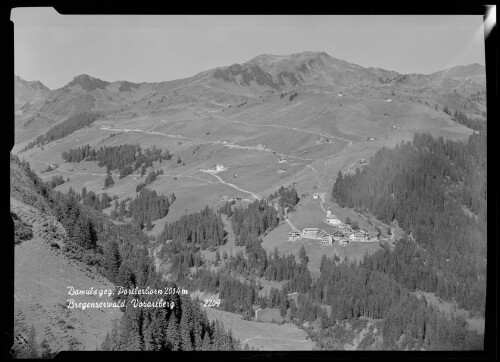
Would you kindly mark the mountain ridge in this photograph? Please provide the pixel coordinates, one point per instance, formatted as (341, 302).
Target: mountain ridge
(263, 61)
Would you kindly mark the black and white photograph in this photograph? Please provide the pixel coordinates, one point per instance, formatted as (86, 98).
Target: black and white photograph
(279, 183)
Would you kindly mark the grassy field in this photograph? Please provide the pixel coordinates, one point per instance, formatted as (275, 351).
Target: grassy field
(264, 336)
(310, 214)
(194, 129)
(268, 315)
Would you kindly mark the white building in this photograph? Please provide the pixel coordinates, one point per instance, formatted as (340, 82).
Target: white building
(282, 160)
(327, 239)
(310, 232)
(293, 236)
(219, 167)
(315, 196)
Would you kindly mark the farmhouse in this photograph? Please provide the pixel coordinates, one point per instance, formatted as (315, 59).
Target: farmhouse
(327, 239)
(282, 170)
(219, 167)
(388, 100)
(310, 232)
(371, 139)
(293, 235)
(343, 242)
(315, 196)
(282, 160)
(362, 160)
(346, 230)
(357, 236)
(321, 234)
(340, 94)
(338, 234)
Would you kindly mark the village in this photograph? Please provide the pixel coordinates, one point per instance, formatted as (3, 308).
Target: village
(343, 233)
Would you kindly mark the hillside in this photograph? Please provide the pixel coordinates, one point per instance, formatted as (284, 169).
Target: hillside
(42, 273)
(72, 247)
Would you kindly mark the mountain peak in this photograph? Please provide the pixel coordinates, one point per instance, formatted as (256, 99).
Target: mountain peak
(87, 82)
(33, 85)
(271, 58)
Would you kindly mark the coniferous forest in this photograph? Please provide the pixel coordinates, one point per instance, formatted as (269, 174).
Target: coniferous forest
(126, 158)
(436, 190)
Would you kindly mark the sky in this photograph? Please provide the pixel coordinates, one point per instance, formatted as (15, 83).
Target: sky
(54, 48)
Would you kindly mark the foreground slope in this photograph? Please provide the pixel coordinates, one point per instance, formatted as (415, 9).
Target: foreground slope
(42, 274)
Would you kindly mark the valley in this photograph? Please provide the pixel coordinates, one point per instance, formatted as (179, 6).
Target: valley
(301, 123)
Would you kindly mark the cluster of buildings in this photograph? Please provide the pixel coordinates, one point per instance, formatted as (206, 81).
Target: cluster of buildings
(343, 234)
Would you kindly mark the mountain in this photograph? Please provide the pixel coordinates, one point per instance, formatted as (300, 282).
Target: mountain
(301, 69)
(25, 91)
(38, 108)
(462, 71)
(87, 83)
(33, 85)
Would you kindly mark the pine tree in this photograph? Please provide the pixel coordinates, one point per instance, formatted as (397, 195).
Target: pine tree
(185, 328)
(207, 343)
(108, 181)
(302, 254)
(112, 260)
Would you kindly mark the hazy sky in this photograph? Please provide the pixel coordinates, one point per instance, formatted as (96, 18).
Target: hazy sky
(55, 48)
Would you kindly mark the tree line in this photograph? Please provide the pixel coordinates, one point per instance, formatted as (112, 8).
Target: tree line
(125, 158)
(473, 123)
(63, 129)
